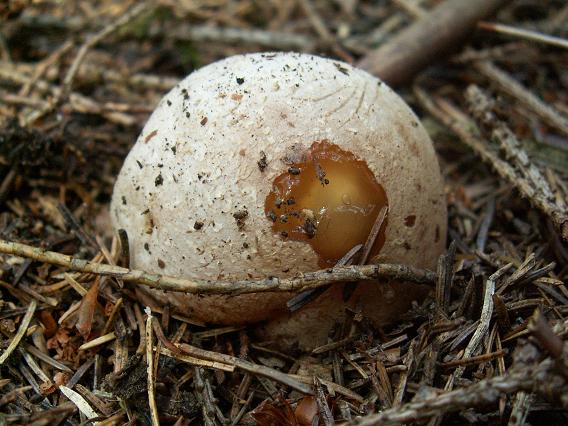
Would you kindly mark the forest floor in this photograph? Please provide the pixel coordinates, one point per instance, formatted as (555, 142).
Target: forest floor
(79, 79)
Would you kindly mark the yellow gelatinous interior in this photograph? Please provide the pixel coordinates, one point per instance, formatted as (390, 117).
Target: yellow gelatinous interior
(329, 199)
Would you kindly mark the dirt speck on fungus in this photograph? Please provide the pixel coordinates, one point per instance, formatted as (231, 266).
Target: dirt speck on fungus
(341, 68)
(410, 220)
(262, 163)
(148, 222)
(150, 136)
(240, 216)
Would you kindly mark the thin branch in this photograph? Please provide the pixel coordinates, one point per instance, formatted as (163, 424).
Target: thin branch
(462, 126)
(247, 366)
(525, 34)
(126, 18)
(513, 88)
(473, 360)
(523, 376)
(62, 95)
(271, 284)
(421, 43)
(482, 106)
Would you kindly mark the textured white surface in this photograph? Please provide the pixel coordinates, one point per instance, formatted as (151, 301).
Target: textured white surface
(196, 161)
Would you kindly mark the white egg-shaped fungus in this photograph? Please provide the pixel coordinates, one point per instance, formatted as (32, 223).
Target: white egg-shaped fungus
(274, 164)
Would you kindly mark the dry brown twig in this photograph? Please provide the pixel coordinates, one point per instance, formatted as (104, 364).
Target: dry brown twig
(459, 123)
(481, 394)
(483, 327)
(305, 281)
(249, 367)
(418, 45)
(513, 88)
(77, 102)
(62, 95)
(482, 106)
(527, 374)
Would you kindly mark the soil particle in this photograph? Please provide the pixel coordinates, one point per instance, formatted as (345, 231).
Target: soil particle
(262, 163)
(240, 217)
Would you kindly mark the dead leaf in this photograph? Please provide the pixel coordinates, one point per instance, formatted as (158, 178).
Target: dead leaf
(87, 311)
(49, 324)
(274, 413)
(306, 410)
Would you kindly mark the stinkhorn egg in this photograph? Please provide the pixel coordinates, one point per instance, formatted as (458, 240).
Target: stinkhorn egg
(274, 165)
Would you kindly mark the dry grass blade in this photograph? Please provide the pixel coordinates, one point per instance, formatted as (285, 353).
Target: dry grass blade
(524, 34)
(303, 298)
(196, 361)
(520, 409)
(98, 341)
(151, 380)
(80, 402)
(373, 235)
(15, 341)
(324, 410)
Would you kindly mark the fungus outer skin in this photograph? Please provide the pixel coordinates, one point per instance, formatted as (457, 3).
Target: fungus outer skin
(196, 161)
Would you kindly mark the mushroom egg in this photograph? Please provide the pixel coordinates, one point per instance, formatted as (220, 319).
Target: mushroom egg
(275, 164)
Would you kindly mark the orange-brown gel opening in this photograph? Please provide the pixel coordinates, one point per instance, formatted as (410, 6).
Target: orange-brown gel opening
(329, 199)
